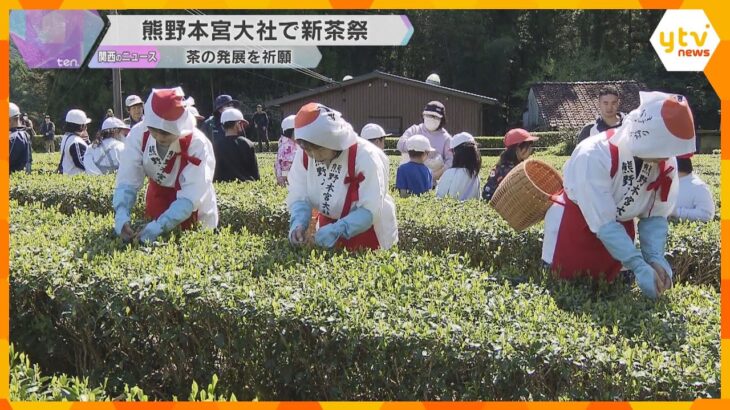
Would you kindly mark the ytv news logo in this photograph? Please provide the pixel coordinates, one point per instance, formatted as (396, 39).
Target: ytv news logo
(685, 40)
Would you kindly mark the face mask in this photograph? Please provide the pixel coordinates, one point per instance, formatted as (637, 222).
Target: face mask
(431, 124)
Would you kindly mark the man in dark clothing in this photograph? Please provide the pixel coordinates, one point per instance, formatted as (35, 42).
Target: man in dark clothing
(212, 127)
(235, 156)
(48, 131)
(21, 153)
(261, 124)
(608, 102)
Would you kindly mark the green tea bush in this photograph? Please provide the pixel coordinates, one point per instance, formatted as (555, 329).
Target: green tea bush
(425, 223)
(277, 323)
(28, 383)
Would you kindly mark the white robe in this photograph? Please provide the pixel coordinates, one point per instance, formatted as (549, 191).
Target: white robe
(196, 182)
(602, 199)
(324, 189)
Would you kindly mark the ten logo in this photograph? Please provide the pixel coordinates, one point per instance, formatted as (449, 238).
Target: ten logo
(684, 40)
(65, 62)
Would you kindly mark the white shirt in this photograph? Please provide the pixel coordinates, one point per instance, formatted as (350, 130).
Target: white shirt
(103, 158)
(74, 142)
(196, 181)
(323, 187)
(695, 202)
(457, 183)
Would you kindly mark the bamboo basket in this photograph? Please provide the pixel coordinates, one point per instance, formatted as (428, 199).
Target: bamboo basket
(524, 195)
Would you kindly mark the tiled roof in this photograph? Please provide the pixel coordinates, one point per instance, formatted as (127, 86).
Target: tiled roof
(565, 105)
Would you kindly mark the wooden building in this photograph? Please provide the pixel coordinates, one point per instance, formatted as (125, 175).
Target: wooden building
(396, 103)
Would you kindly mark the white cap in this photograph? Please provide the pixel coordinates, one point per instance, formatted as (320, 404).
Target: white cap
(434, 79)
(166, 109)
(323, 126)
(231, 114)
(77, 117)
(461, 138)
(288, 123)
(347, 78)
(113, 122)
(133, 100)
(418, 143)
(14, 110)
(373, 131)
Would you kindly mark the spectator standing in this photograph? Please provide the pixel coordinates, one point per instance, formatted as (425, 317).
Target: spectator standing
(261, 125)
(48, 131)
(135, 109)
(610, 117)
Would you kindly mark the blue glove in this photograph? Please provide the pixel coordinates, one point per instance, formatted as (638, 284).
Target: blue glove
(653, 232)
(300, 213)
(328, 235)
(150, 232)
(122, 202)
(646, 279)
(177, 213)
(621, 247)
(356, 222)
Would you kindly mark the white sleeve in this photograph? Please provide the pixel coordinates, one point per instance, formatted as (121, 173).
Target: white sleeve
(373, 189)
(591, 187)
(704, 205)
(89, 165)
(475, 194)
(117, 152)
(442, 189)
(197, 180)
(298, 189)
(131, 172)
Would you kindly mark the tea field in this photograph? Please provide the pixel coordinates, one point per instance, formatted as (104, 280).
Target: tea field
(461, 310)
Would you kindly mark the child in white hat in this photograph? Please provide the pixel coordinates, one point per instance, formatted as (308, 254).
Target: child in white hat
(102, 156)
(341, 176)
(179, 163)
(413, 177)
(461, 181)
